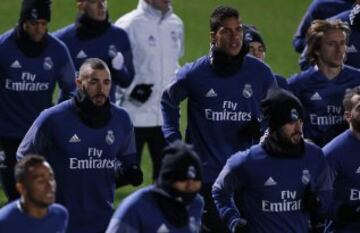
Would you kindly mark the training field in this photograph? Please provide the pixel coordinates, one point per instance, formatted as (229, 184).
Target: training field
(276, 19)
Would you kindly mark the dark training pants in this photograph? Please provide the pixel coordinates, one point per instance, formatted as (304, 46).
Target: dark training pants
(9, 147)
(211, 221)
(154, 137)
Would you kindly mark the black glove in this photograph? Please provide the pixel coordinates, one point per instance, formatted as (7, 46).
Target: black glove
(132, 175)
(141, 92)
(310, 201)
(346, 214)
(241, 227)
(252, 129)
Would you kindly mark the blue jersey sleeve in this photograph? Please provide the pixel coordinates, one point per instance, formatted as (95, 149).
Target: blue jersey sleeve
(224, 188)
(299, 37)
(66, 77)
(127, 153)
(170, 105)
(119, 226)
(323, 186)
(36, 141)
(125, 76)
(126, 218)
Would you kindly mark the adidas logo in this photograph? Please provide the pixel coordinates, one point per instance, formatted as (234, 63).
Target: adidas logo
(16, 64)
(270, 182)
(358, 170)
(74, 139)
(211, 93)
(163, 229)
(316, 96)
(81, 54)
(351, 49)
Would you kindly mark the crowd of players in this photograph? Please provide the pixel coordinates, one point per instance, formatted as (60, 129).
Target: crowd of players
(263, 153)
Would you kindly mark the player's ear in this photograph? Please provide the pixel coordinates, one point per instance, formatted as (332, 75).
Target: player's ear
(347, 116)
(20, 188)
(212, 37)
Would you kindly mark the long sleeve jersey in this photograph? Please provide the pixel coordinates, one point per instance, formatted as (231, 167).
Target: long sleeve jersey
(84, 161)
(139, 213)
(14, 220)
(104, 47)
(27, 83)
(322, 101)
(219, 109)
(342, 154)
(269, 190)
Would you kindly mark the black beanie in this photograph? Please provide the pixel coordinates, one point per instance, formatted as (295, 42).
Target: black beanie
(281, 107)
(252, 35)
(180, 162)
(35, 9)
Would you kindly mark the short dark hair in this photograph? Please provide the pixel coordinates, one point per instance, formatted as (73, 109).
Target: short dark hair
(22, 167)
(351, 92)
(219, 14)
(316, 32)
(93, 63)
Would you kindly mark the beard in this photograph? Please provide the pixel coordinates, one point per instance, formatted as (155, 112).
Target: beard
(355, 124)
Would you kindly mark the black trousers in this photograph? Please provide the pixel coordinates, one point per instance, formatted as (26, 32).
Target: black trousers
(9, 147)
(211, 221)
(155, 140)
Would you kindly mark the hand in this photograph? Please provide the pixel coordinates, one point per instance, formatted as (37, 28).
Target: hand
(310, 201)
(241, 227)
(132, 175)
(252, 128)
(141, 92)
(135, 175)
(118, 61)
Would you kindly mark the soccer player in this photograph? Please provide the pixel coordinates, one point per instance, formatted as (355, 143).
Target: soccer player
(223, 90)
(156, 36)
(342, 154)
(318, 9)
(93, 35)
(172, 204)
(257, 48)
(32, 62)
(279, 181)
(84, 139)
(321, 87)
(352, 17)
(35, 211)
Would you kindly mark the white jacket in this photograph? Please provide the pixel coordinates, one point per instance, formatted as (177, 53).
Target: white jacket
(157, 44)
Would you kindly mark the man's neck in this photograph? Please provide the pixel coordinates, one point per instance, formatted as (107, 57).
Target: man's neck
(329, 72)
(33, 210)
(355, 133)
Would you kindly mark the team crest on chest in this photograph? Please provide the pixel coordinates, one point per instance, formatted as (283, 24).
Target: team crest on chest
(48, 63)
(110, 137)
(247, 91)
(306, 177)
(112, 50)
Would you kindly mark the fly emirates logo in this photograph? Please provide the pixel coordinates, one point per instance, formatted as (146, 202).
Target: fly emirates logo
(289, 202)
(27, 83)
(94, 160)
(229, 112)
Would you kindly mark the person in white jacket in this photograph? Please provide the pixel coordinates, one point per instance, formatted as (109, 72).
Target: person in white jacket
(156, 38)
